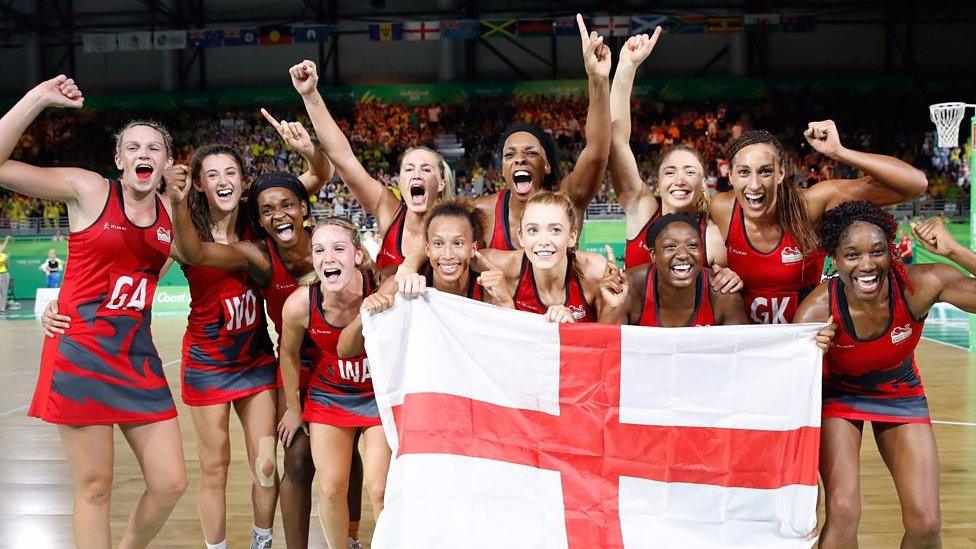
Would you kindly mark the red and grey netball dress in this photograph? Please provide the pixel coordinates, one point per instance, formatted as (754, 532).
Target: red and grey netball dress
(473, 291)
(874, 379)
(527, 294)
(281, 285)
(341, 389)
(105, 369)
(775, 282)
(637, 252)
(650, 313)
(501, 237)
(227, 353)
(391, 254)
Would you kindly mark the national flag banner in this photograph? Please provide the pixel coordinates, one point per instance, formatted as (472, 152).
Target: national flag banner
(385, 32)
(99, 43)
(762, 20)
(534, 27)
(724, 25)
(567, 26)
(611, 25)
(134, 41)
(240, 37)
(310, 33)
(645, 24)
(508, 431)
(169, 40)
(498, 28)
(460, 29)
(686, 24)
(205, 38)
(422, 30)
(274, 35)
(798, 23)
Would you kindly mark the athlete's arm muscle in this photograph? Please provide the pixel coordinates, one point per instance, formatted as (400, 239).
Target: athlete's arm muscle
(816, 306)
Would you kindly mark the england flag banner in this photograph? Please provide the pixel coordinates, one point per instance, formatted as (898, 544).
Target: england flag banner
(508, 431)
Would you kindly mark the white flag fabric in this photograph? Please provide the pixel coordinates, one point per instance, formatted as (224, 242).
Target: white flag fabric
(98, 43)
(612, 25)
(508, 431)
(169, 40)
(422, 30)
(135, 41)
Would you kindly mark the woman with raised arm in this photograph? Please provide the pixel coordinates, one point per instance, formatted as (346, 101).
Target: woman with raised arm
(424, 177)
(339, 405)
(105, 370)
(768, 222)
(530, 157)
(870, 372)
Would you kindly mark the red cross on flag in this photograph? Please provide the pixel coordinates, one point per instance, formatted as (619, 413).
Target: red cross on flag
(612, 25)
(508, 431)
(422, 30)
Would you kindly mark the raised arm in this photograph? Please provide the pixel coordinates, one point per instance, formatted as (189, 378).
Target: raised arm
(936, 238)
(294, 320)
(370, 193)
(624, 174)
(888, 180)
(62, 184)
(295, 135)
(239, 256)
(585, 180)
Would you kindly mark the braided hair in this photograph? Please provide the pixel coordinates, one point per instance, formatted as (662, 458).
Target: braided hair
(790, 209)
(837, 221)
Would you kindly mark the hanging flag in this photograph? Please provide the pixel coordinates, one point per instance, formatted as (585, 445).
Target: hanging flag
(566, 26)
(645, 24)
(274, 35)
(169, 40)
(798, 23)
(240, 37)
(205, 38)
(99, 43)
(611, 25)
(686, 24)
(385, 32)
(724, 25)
(498, 28)
(762, 20)
(460, 29)
(585, 435)
(534, 27)
(422, 30)
(310, 33)
(134, 41)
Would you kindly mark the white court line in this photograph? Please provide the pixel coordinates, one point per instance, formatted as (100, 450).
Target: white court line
(24, 407)
(963, 423)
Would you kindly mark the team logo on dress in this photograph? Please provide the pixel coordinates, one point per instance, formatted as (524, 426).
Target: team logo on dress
(791, 255)
(163, 235)
(577, 311)
(901, 333)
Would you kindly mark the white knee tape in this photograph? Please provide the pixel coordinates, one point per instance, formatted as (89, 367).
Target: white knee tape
(266, 454)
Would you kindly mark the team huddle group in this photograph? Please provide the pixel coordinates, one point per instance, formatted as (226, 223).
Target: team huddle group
(751, 255)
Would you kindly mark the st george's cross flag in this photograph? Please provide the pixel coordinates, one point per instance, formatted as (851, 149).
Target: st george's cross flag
(508, 431)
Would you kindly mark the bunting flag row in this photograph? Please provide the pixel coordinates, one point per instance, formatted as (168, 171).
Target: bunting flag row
(460, 29)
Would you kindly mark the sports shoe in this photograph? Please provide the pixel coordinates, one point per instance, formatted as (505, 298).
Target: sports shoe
(260, 542)
(353, 544)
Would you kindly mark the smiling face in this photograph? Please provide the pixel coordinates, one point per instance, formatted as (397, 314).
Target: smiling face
(546, 234)
(142, 156)
(420, 180)
(450, 246)
(281, 214)
(679, 182)
(220, 180)
(335, 257)
(756, 175)
(862, 259)
(524, 164)
(677, 255)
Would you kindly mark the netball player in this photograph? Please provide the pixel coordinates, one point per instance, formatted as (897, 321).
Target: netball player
(768, 222)
(339, 402)
(870, 373)
(105, 369)
(424, 176)
(530, 158)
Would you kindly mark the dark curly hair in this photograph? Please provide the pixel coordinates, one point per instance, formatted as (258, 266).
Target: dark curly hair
(554, 177)
(462, 208)
(790, 209)
(837, 221)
